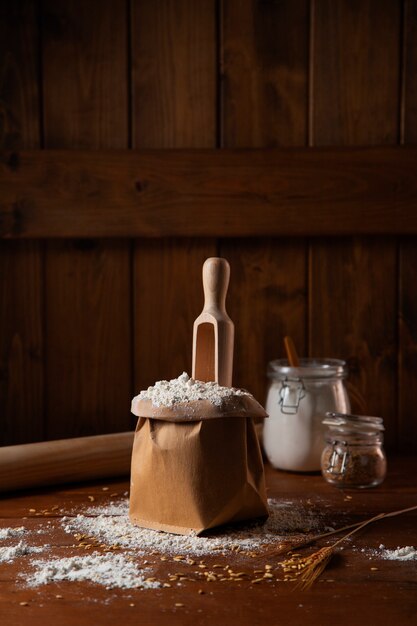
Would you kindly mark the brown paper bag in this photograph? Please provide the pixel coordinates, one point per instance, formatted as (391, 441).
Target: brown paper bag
(196, 466)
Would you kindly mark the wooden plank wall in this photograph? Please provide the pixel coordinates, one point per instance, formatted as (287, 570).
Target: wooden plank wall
(86, 323)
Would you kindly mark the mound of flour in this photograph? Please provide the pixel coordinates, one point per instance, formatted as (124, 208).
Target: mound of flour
(9, 533)
(9, 554)
(186, 389)
(407, 553)
(109, 570)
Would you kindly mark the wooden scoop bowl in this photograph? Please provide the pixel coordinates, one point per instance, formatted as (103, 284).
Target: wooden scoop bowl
(213, 332)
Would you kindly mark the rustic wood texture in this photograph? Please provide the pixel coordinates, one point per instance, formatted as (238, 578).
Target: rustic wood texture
(177, 80)
(264, 103)
(353, 282)
(203, 193)
(88, 312)
(408, 347)
(264, 73)
(409, 81)
(174, 106)
(173, 74)
(21, 281)
(354, 56)
(408, 250)
(385, 595)
(354, 318)
(88, 335)
(267, 300)
(168, 297)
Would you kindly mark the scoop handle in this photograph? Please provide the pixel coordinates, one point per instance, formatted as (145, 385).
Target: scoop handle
(216, 275)
(213, 332)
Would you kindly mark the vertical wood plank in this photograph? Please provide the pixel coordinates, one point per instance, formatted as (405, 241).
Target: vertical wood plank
(21, 281)
(352, 316)
(267, 300)
(87, 282)
(264, 103)
(355, 87)
(355, 72)
(174, 105)
(408, 250)
(264, 73)
(409, 108)
(174, 73)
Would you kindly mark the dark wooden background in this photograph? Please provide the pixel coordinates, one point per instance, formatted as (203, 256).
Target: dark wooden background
(86, 323)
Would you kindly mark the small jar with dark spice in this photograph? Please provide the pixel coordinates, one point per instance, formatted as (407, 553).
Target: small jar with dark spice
(353, 456)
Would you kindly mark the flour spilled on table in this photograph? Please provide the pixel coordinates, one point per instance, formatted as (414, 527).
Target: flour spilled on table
(10, 553)
(8, 533)
(407, 553)
(110, 570)
(111, 525)
(105, 528)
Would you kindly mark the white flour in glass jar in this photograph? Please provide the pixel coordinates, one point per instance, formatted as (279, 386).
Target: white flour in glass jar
(297, 401)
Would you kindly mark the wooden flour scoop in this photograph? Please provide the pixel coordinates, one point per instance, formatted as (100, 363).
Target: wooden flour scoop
(213, 332)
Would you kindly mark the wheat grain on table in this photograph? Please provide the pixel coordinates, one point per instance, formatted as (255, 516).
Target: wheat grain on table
(232, 582)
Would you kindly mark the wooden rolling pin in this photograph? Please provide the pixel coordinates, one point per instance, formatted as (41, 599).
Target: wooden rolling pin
(65, 461)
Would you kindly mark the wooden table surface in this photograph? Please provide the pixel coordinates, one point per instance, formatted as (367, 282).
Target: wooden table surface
(349, 591)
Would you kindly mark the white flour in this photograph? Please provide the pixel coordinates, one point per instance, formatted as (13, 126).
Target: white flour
(108, 525)
(109, 570)
(186, 389)
(297, 401)
(112, 526)
(7, 555)
(8, 533)
(407, 553)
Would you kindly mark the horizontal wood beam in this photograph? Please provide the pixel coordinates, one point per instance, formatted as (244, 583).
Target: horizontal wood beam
(199, 193)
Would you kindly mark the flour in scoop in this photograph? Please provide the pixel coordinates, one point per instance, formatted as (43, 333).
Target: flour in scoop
(185, 389)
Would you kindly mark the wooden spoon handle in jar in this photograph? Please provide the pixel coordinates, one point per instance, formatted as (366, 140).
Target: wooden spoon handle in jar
(292, 355)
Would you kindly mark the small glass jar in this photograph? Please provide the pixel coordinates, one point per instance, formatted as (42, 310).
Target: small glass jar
(354, 456)
(297, 401)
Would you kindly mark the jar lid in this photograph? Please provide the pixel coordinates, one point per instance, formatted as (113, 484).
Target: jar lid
(345, 423)
(308, 369)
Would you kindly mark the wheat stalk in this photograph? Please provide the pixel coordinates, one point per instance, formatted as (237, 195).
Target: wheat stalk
(306, 570)
(289, 545)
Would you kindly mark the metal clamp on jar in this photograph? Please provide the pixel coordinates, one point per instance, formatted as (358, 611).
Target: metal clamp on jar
(297, 401)
(353, 455)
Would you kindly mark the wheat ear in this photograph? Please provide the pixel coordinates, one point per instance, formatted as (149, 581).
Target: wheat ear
(306, 570)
